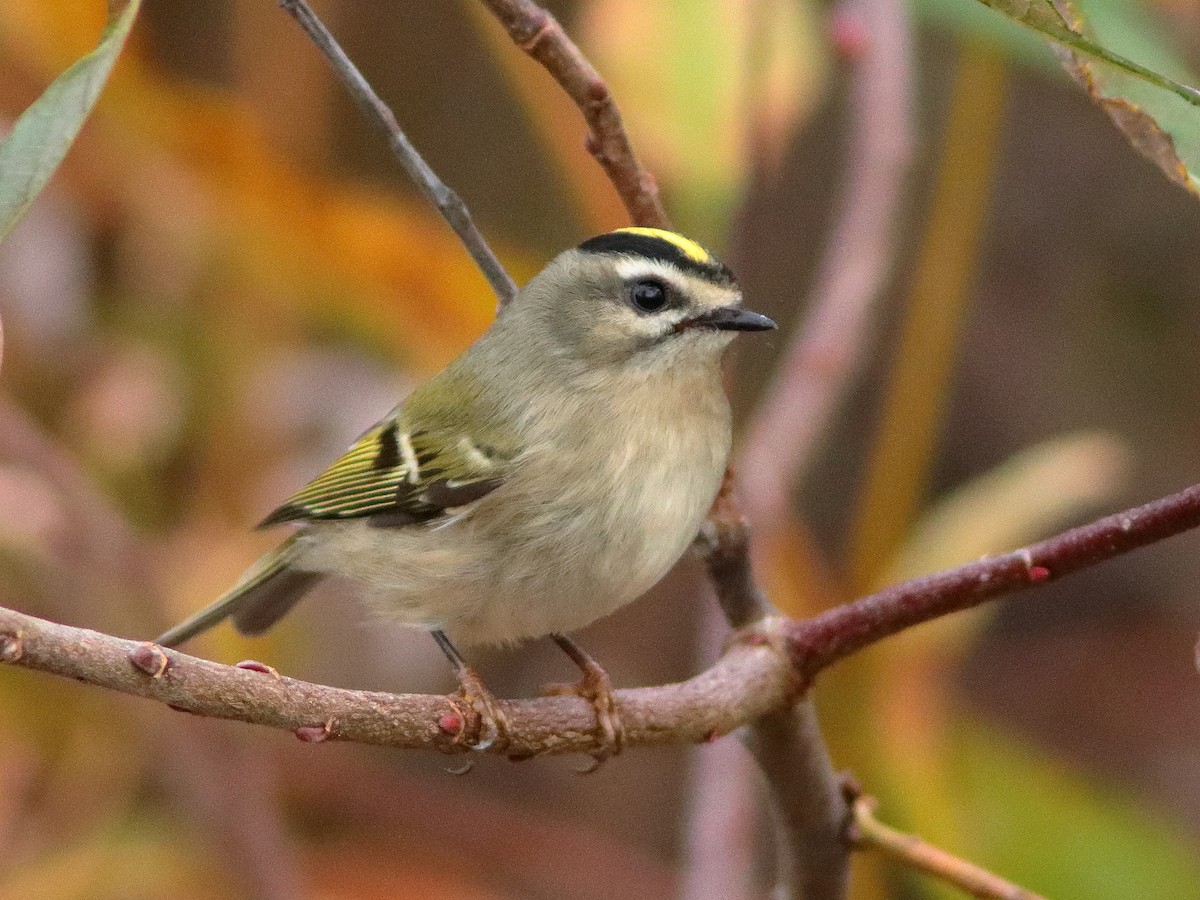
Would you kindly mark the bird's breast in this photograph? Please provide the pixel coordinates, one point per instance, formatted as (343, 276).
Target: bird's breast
(618, 495)
(593, 512)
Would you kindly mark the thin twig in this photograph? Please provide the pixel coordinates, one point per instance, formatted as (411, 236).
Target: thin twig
(537, 32)
(830, 344)
(820, 366)
(868, 833)
(749, 684)
(824, 356)
(448, 203)
(724, 543)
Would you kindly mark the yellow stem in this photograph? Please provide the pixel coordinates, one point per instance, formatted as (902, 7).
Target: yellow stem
(870, 833)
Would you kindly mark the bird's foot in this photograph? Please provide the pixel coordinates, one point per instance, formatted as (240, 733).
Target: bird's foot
(483, 722)
(596, 687)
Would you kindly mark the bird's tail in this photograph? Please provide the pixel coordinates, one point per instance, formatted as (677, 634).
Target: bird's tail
(259, 599)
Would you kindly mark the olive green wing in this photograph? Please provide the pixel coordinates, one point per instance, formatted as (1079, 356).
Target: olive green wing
(395, 475)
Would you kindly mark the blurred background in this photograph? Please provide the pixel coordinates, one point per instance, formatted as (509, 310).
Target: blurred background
(230, 279)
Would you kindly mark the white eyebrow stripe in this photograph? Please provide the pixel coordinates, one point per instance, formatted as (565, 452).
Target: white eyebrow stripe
(631, 268)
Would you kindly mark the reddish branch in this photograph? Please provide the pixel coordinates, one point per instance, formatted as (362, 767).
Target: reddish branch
(756, 682)
(813, 861)
(750, 681)
(537, 32)
(843, 630)
(724, 543)
(806, 804)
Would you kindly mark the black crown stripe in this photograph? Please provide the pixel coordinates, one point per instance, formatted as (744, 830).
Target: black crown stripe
(660, 250)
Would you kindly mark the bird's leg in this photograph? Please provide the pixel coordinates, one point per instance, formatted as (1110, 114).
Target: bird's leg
(488, 725)
(596, 687)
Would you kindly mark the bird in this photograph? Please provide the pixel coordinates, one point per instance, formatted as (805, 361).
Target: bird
(548, 476)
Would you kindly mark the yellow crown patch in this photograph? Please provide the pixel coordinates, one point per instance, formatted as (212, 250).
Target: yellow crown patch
(686, 246)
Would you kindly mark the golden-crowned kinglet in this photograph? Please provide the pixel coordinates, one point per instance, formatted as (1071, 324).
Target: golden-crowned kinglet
(549, 475)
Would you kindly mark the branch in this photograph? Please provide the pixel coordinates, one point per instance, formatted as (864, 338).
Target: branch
(808, 811)
(751, 680)
(751, 683)
(817, 642)
(724, 543)
(722, 822)
(537, 32)
(806, 804)
(748, 681)
(868, 833)
(448, 203)
(805, 797)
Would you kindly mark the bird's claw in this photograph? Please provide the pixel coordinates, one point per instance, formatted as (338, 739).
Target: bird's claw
(597, 689)
(484, 722)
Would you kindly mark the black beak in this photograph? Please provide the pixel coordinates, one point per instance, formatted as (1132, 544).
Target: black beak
(730, 318)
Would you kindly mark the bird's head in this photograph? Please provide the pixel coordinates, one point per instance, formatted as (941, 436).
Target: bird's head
(635, 296)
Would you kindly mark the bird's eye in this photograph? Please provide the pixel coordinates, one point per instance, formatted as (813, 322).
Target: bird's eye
(648, 295)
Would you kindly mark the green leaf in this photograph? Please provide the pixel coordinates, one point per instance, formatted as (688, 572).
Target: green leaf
(42, 135)
(1148, 100)
(1056, 20)
(1055, 832)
